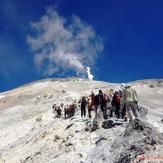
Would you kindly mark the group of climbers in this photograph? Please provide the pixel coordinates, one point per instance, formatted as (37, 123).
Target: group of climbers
(120, 103)
(95, 102)
(64, 110)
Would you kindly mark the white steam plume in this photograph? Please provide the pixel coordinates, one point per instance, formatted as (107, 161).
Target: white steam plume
(60, 45)
(89, 75)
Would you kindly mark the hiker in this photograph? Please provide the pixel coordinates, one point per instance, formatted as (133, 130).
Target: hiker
(90, 103)
(65, 111)
(123, 107)
(72, 109)
(57, 110)
(69, 110)
(96, 104)
(113, 107)
(61, 106)
(83, 107)
(54, 106)
(92, 98)
(116, 105)
(108, 104)
(130, 100)
(89, 106)
(102, 103)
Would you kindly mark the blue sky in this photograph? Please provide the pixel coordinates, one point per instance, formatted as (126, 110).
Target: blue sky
(120, 40)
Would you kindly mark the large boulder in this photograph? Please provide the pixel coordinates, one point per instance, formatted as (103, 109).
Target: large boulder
(139, 138)
(111, 123)
(108, 124)
(91, 126)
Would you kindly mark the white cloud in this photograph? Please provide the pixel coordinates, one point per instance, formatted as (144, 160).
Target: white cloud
(60, 44)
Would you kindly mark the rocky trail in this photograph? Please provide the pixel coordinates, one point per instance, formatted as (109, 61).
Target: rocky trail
(30, 133)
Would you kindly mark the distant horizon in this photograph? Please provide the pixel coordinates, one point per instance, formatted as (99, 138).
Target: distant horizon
(119, 41)
(39, 80)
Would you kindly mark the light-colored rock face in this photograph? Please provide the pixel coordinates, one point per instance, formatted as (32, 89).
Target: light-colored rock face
(29, 131)
(151, 96)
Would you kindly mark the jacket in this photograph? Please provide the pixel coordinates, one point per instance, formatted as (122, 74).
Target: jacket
(129, 95)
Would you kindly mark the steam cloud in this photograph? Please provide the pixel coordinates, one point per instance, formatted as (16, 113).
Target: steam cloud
(89, 75)
(61, 45)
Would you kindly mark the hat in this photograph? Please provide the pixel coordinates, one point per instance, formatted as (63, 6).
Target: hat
(100, 91)
(123, 85)
(116, 91)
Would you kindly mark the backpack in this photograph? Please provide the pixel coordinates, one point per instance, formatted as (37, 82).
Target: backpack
(106, 98)
(117, 99)
(103, 98)
(96, 100)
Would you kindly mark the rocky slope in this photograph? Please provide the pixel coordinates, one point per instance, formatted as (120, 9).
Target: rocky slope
(31, 133)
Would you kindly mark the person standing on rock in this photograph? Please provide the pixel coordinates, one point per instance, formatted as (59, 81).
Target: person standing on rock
(83, 106)
(130, 100)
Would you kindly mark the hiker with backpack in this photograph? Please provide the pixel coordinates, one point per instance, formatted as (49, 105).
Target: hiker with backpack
(96, 104)
(89, 106)
(103, 103)
(90, 102)
(130, 101)
(57, 110)
(123, 111)
(72, 109)
(116, 105)
(69, 110)
(83, 106)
